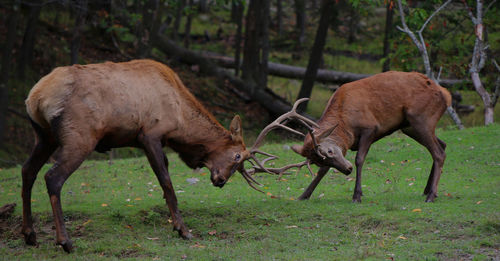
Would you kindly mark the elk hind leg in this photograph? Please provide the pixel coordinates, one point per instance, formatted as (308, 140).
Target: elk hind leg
(69, 158)
(436, 148)
(39, 156)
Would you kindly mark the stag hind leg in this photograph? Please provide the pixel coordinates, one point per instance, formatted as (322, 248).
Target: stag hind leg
(39, 156)
(68, 159)
(436, 148)
(159, 164)
(310, 189)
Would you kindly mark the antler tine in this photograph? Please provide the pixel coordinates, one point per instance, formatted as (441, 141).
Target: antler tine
(292, 114)
(248, 178)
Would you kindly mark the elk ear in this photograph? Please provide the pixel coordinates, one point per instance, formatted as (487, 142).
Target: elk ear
(327, 133)
(298, 149)
(235, 128)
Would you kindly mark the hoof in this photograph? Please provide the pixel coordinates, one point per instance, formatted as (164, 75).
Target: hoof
(186, 235)
(67, 246)
(430, 198)
(302, 197)
(30, 238)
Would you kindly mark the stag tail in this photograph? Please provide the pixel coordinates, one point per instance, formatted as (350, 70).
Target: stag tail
(446, 96)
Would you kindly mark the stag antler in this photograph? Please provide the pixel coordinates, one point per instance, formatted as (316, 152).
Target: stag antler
(257, 165)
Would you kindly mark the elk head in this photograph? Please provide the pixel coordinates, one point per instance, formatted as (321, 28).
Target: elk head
(318, 148)
(324, 151)
(226, 159)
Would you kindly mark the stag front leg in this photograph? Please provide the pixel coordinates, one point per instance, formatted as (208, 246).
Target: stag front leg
(365, 142)
(159, 164)
(39, 156)
(310, 189)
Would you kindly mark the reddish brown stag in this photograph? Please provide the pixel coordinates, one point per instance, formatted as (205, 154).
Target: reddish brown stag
(362, 112)
(77, 109)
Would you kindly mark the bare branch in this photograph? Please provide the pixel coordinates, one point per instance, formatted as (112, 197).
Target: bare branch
(488, 7)
(433, 14)
(469, 11)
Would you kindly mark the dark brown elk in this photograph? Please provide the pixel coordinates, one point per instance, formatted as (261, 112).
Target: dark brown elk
(362, 112)
(77, 109)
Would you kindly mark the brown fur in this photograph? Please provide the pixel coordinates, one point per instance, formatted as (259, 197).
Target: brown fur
(367, 110)
(141, 103)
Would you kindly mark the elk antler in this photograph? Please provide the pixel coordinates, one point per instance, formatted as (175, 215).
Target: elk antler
(258, 166)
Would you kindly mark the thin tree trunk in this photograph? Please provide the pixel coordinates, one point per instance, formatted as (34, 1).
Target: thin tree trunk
(26, 52)
(178, 17)
(12, 21)
(255, 51)
(300, 19)
(327, 12)
(81, 12)
(387, 35)
(239, 30)
(279, 17)
(187, 26)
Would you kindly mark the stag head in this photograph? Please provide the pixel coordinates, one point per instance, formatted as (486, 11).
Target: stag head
(324, 151)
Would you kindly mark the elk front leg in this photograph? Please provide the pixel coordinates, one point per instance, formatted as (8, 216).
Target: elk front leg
(39, 156)
(310, 189)
(159, 162)
(365, 142)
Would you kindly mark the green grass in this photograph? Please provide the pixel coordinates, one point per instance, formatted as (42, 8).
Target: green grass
(238, 223)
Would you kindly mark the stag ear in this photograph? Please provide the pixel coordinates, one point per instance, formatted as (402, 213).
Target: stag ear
(235, 128)
(327, 133)
(298, 148)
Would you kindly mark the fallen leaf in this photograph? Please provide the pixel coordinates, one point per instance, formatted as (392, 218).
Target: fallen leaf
(273, 196)
(138, 198)
(269, 194)
(417, 210)
(197, 245)
(388, 181)
(213, 232)
(392, 164)
(104, 205)
(293, 226)
(129, 227)
(292, 198)
(203, 174)
(479, 202)
(129, 205)
(86, 222)
(411, 184)
(321, 195)
(402, 237)
(349, 179)
(153, 238)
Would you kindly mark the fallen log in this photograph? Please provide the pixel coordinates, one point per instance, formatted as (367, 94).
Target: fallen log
(296, 72)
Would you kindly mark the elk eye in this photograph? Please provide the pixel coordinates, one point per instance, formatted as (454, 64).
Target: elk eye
(237, 157)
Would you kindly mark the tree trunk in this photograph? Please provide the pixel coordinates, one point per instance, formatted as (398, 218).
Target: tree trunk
(203, 6)
(387, 35)
(26, 51)
(149, 13)
(81, 12)
(327, 12)
(300, 20)
(239, 30)
(279, 17)
(256, 48)
(12, 21)
(178, 16)
(187, 26)
(485, 96)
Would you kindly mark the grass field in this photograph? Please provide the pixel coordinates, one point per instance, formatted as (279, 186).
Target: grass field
(117, 211)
